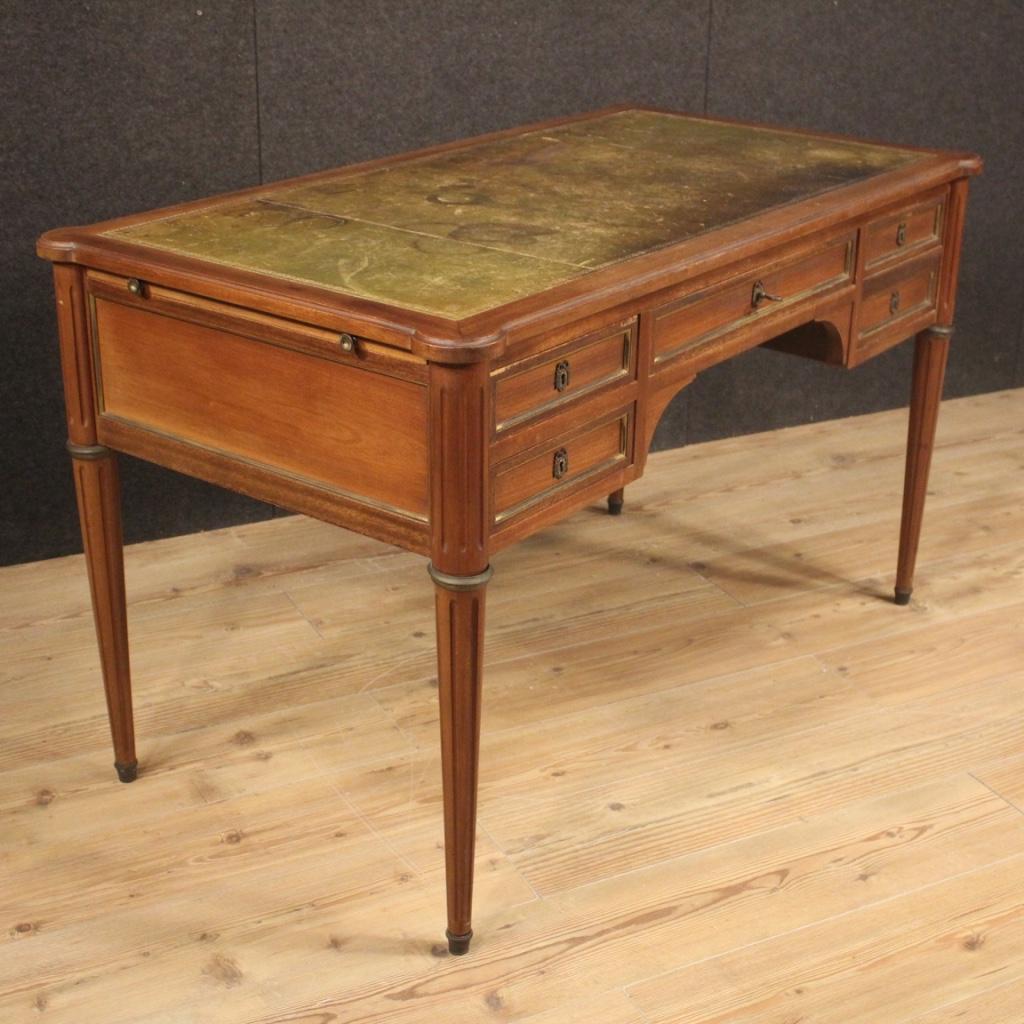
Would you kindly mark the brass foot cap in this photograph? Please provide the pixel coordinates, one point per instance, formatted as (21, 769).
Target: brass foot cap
(127, 772)
(615, 507)
(903, 596)
(458, 945)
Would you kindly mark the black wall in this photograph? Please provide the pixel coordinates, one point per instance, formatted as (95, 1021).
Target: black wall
(112, 106)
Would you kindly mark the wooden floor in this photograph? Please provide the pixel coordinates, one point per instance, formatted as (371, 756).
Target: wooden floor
(724, 778)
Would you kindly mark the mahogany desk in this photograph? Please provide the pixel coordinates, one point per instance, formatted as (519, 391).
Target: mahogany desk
(451, 349)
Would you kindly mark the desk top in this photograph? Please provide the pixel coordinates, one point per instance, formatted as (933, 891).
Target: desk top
(462, 230)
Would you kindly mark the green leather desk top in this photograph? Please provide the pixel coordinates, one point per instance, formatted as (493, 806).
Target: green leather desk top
(468, 229)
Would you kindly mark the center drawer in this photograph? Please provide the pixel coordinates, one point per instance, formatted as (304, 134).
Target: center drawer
(691, 324)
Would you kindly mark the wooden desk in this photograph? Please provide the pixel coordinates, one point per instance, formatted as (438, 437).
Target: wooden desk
(451, 349)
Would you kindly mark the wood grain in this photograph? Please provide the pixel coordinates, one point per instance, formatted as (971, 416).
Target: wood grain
(903, 232)
(546, 470)
(931, 350)
(539, 384)
(344, 426)
(787, 786)
(943, 942)
(687, 326)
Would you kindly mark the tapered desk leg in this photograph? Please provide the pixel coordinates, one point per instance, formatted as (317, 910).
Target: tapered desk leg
(460, 646)
(931, 350)
(97, 485)
(615, 501)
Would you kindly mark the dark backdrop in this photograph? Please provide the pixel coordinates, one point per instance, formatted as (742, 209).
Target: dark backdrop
(112, 106)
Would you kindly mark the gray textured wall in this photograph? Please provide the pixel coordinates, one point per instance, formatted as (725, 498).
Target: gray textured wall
(114, 106)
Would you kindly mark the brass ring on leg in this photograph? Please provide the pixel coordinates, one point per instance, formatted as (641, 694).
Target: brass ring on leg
(449, 582)
(87, 452)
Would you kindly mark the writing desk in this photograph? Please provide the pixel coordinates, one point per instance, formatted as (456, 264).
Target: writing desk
(451, 349)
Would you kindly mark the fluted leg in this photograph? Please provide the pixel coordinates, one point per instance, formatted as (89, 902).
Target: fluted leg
(931, 350)
(97, 485)
(615, 501)
(460, 646)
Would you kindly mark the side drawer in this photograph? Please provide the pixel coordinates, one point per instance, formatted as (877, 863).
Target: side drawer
(893, 302)
(556, 465)
(547, 381)
(337, 424)
(691, 323)
(903, 234)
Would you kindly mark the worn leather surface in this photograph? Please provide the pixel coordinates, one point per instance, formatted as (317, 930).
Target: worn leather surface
(469, 229)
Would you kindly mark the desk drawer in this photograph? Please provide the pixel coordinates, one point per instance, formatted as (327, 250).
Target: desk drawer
(337, 424)
(904, 234)
(548, 469)
(547, 381)
(689, 324)
(893, 301)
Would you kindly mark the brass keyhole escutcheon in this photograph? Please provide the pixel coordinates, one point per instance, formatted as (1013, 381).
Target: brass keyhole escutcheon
(894, 302)
(347, 343)
(562, 375)
(901, 235)
(761, 294)
(560, 464)
(136, 287)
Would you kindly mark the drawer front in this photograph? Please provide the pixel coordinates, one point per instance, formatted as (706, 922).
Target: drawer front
(550, 468)
(898, 297)
(892, 301)
(336, 424)
(689, 324)
(904, 234)
(543, 383)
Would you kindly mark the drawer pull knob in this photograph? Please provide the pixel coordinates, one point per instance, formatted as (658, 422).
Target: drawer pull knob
(761, 294)
(894, 302)
(562, 375)
(136, 287)
(901, 235)
(347, 343)
(560, 465)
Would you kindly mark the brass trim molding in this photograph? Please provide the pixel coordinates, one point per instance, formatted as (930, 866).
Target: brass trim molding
(443, 579)
(88, 451)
